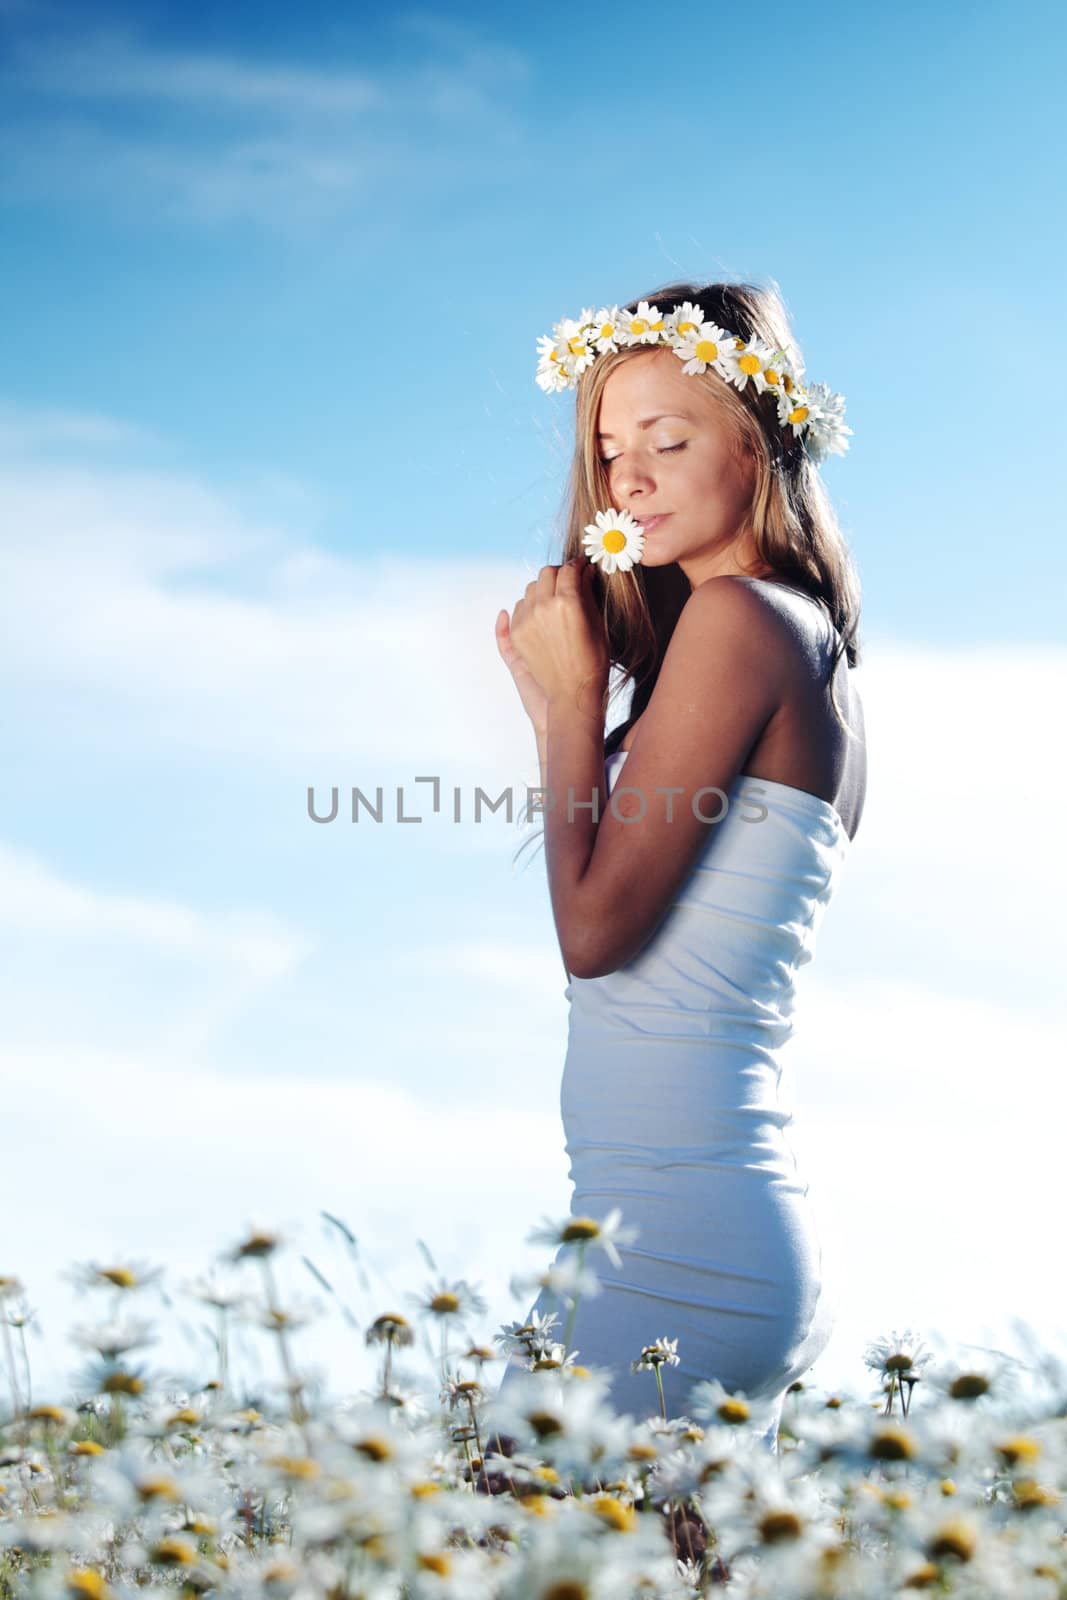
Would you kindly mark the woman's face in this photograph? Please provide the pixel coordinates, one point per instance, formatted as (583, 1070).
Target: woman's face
(681, 465)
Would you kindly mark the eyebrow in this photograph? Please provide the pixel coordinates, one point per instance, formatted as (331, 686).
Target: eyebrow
(646, 422)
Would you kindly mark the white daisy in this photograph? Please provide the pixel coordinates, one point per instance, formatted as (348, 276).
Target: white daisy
(615, 540)
(777, 372)
(586, 1230)
(686, 319)
(747, 362)
(793, 403)
(705, 347)
(565, 355)
(567, 1279)
(606, 329)
(643, 326)
(825, 430)
(656, 1355)
(899, 1353)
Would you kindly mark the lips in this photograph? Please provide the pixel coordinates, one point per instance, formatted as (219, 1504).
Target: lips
(648, 523)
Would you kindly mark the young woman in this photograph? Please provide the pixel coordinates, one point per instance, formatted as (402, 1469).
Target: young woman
(686, 901)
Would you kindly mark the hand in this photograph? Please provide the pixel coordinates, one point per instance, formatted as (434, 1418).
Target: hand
(558, 631)
(533, 697)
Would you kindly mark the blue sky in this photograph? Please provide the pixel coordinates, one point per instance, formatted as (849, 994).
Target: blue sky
(273, 459)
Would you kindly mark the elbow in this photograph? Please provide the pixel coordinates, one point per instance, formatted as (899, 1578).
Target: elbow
(585, 960)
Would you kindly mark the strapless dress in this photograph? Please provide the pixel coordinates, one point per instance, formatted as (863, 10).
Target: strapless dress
(675, 1109)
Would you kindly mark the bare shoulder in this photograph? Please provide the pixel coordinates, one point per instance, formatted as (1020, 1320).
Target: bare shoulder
(755, 628)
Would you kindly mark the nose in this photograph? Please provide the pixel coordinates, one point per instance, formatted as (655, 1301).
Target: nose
(634, 479)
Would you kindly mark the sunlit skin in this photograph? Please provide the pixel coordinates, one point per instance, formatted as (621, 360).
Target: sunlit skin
(684, 465)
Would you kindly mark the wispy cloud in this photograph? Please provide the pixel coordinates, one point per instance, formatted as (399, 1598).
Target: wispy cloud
(118, 65)
(203, 625)
(221, 137)
(36, 899)
(24, 431)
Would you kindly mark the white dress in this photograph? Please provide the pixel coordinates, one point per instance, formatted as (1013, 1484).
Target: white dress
(674, 1110)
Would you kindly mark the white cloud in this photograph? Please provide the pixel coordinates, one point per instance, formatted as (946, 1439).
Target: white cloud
(35, 899)
(23, 430)
(129, 575)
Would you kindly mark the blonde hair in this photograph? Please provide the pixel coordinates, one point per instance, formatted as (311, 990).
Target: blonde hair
(792, 523)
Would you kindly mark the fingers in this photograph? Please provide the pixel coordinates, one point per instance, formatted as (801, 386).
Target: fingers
(572, 575)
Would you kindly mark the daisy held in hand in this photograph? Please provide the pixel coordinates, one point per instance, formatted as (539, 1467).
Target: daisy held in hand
(614, 540)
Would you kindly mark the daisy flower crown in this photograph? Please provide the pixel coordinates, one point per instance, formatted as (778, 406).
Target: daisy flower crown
(813, 411)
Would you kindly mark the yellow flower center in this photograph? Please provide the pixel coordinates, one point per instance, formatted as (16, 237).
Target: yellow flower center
(544, 1423)
(174, 1552)
(799, 414)
(436, 1562)
(444, 1303)
(121, 1277)
(968, 1386)
(777, 1526)
(576, 345)
(621, 1518)
(638, 325)
(707, 350)
(749, 363)
(892, 1444)
(771, 376)
(158, 1488)
(607, 330)
(374, 1447)
(952, 1539)
(296, 1466)
(83, 1581)
(581, 1227)
(614, 540)
(733, 1412)
(687, 327)
(1020, 1448)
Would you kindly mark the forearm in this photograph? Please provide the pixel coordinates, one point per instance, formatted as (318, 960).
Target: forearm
(571, 752)
(542, 754)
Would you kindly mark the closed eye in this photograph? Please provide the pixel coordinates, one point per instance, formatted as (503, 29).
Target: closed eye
(605, 461)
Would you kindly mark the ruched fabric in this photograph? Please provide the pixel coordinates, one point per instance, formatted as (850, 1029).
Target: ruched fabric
(676, 1098)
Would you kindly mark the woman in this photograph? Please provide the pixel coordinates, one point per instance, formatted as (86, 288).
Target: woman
(686, 905)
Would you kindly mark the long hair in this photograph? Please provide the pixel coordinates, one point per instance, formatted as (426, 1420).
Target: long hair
(791, 520)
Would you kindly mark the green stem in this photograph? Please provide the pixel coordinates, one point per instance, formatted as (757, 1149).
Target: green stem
(583, 1245)
(659, 1386)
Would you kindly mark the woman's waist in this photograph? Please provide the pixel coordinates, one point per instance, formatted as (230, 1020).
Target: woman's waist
(701, 1024)
(719, 1176)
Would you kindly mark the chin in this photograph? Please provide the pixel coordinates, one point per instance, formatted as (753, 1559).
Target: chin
(656, 555)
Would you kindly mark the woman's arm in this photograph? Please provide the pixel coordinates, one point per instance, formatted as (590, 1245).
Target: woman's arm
(612, 882)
